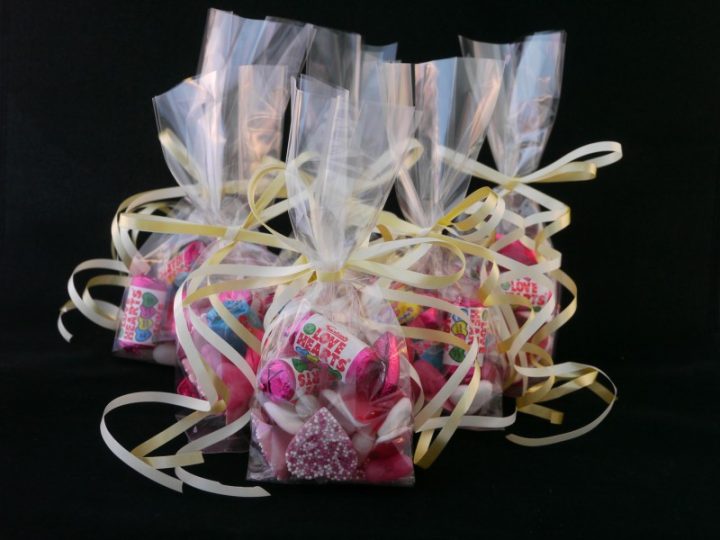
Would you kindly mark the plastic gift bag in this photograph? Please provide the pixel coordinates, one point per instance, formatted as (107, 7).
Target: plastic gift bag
(237, 41)
(342, 59)
(214, 138)
(146, 328)
(518, 133)
(333, 400)
(456, 97)
(216, 129)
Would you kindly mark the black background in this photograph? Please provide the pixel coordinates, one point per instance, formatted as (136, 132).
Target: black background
(78, 135)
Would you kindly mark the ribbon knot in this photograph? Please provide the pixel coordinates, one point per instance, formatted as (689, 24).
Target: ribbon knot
(325, 276)
(512, 184)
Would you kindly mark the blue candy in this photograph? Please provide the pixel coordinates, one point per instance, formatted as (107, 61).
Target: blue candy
(238, 308)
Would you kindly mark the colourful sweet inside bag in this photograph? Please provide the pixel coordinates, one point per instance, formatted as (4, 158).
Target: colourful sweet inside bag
(333, 406)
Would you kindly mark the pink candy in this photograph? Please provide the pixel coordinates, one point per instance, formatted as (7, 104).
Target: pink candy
(430, 378)
(273, 444)
(240, 391)
(518, 252)
(388, 469)
(322, 450)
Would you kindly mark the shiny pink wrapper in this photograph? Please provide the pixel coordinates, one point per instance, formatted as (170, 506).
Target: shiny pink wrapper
(277, 380)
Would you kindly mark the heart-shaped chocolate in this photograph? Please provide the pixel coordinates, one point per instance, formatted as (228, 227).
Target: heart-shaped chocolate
(322, 450)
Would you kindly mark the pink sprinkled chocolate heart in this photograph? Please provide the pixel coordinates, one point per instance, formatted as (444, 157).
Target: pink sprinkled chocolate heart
(322, 450)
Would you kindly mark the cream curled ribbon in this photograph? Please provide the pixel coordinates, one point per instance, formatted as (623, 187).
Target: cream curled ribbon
(573, 376)
(472, 236)
(293, 278)
(297, 276)
(132, 217)
(123, 251)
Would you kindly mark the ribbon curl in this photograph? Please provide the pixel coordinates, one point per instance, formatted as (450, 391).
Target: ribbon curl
(459, 236)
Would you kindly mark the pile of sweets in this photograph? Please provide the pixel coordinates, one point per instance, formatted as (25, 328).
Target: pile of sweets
(339, 342)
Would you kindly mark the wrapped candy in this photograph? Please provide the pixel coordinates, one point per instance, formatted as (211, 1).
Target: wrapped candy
(333, 401)
(456, 96)
(146, 328)
(143, 313)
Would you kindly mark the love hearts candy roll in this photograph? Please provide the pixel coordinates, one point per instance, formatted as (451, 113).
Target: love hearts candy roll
(143, 313)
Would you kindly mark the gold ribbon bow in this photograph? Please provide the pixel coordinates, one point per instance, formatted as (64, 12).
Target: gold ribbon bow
(294, 277)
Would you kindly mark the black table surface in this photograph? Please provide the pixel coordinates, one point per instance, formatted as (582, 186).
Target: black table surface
(651, 467)
(77, 135)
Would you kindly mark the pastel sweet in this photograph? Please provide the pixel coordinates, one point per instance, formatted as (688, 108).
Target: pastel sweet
(397, 422)
(322, 450)
(273, 443)
(240, 390)
(165, 354)
(363, 443)
(306, 406)
(284, 417)
(211, 355)
(482, 397)
(241, 311)
(343, 414)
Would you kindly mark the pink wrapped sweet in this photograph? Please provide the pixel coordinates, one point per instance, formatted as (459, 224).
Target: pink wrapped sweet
(181, 263)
